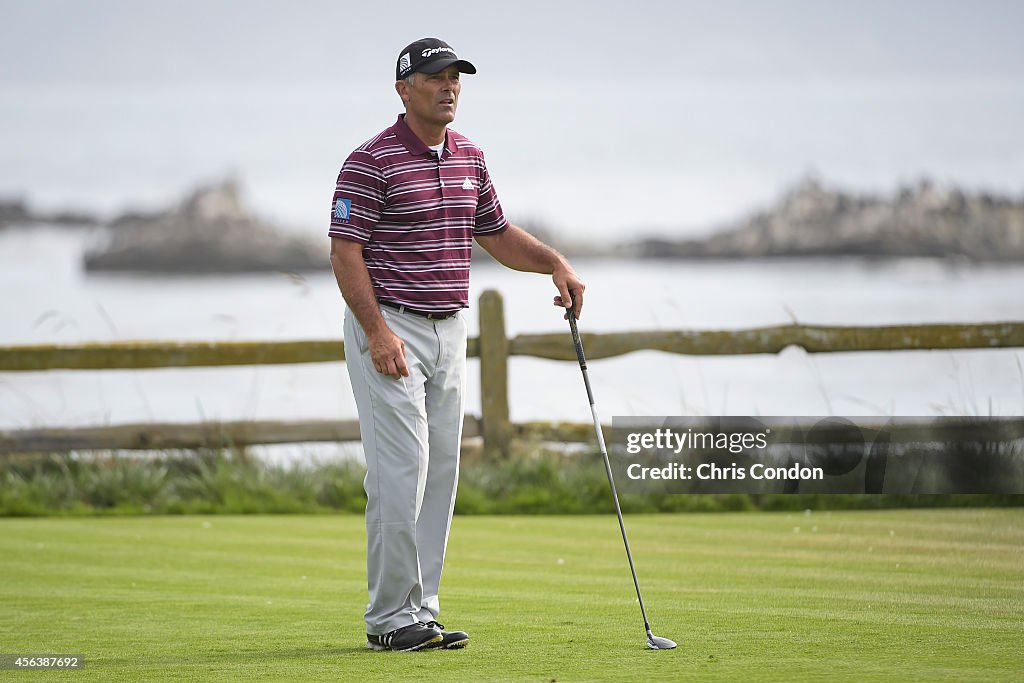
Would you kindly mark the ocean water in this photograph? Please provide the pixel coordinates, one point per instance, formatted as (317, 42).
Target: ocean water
(49, 298)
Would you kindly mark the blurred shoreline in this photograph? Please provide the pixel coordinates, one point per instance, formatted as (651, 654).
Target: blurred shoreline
(213, 231)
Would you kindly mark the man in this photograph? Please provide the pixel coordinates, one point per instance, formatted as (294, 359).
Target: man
(406, 208)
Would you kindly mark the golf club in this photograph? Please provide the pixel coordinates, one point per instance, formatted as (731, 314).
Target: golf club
(654, 642)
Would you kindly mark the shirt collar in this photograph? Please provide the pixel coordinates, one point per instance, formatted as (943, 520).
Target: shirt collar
(416, 146)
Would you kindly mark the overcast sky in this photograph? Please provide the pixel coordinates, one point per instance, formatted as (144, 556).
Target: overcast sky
(143, 41)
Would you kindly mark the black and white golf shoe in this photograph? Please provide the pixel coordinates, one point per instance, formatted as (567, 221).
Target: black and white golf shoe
(406, 639)
(450, 640)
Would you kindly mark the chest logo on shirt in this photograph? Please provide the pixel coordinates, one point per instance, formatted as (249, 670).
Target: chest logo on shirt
(342, 209)
(467, 184)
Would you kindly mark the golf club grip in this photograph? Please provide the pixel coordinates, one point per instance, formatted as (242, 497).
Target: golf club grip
(579, 354)
(576, 339)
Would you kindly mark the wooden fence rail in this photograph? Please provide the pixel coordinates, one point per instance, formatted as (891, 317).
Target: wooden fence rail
(190, 436)
(812, 338)
(492, 347)
(149, 437)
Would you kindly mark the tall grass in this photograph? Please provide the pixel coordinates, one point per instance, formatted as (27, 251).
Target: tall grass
(176, 483)
(536, 480)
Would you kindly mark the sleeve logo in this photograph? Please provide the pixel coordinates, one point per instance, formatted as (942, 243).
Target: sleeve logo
(342, 209)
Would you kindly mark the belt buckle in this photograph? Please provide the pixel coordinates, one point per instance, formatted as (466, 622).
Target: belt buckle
(402, 308)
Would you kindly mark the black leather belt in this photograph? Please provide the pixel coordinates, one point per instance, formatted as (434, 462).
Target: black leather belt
(423, 314)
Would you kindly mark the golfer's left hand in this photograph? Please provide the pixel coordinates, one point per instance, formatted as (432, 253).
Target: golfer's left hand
(570, 290)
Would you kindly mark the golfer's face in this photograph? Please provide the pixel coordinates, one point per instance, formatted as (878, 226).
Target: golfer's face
(435, 97)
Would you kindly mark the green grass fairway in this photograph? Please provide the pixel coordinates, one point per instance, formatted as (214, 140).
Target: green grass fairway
(922, 595)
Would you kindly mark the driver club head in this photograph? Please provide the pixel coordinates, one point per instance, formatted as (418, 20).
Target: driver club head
(658, 643)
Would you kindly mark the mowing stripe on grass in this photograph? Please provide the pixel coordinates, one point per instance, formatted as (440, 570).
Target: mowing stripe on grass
(868, 596)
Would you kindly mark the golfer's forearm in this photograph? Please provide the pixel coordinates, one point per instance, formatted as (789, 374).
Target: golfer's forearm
(354, 282)
(519, 250)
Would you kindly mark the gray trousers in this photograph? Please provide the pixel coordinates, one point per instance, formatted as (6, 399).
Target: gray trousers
(411, 432)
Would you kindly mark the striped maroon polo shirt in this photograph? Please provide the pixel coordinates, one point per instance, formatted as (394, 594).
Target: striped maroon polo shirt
(416, 215)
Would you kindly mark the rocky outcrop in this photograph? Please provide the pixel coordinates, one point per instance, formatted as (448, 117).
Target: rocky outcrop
(17, 212)
(924, 220)
(210, 232)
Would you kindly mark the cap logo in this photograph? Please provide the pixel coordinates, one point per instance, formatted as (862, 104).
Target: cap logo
(434, 50)
(405, 62)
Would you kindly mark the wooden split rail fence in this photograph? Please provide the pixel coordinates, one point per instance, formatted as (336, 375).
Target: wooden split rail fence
(492, 347)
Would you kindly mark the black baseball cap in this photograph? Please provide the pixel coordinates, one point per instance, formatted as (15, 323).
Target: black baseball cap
(429, 55)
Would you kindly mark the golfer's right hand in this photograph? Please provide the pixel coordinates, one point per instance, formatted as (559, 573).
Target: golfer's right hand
(387, 351)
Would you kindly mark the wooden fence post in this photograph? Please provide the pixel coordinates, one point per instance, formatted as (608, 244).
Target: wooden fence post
(494, 373)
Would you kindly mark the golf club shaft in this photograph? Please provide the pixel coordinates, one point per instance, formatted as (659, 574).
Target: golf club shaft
(607, 463)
